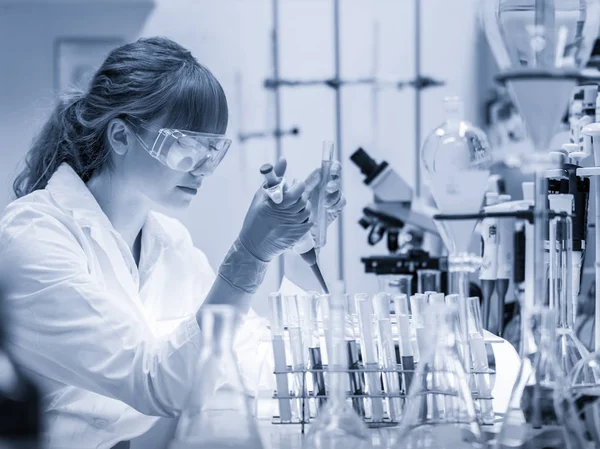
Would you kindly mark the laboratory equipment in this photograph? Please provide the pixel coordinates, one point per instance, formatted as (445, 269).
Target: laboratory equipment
(314, 347)
(405, 347)
(428, 280)
(217, 413)
(279, 358)
(489, 263)
(418, 304)
(274, 187)
(321, 212)
(299, 361)
(457, 160)
(395, 283)
(387, 354)
(369, 355)
(20, 402)
(481, 370)
(357, 378)
(440, 379)
(540, 413)
(506, 230)
(337, 426)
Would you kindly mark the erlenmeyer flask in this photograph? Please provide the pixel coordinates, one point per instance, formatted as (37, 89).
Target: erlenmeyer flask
(218, 413)
(440, 380)
(539, 412)
(337, 425)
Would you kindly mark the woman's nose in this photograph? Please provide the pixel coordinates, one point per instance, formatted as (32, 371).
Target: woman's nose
(205, 168)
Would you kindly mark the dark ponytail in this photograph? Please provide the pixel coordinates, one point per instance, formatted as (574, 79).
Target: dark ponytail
(144, 79)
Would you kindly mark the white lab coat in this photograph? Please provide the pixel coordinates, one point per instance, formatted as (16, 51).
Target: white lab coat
(112, 346)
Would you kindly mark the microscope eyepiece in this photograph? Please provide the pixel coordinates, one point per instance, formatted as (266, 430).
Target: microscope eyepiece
(367, 165)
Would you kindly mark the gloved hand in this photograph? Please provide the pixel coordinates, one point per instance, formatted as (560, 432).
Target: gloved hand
(269, 229)
(334, 200)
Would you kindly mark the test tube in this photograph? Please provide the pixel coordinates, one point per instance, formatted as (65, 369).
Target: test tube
(418, 303)
(437, 298)
(357, 379)
(281, 377)
(321, 213)
(428, 280)
(387, 354)
(298, 359)
(369, 354)
(404, 340)
(480, 362)
(314, 347)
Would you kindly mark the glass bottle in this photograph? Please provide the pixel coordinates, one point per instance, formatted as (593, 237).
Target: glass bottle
(218, 412)
(337, 425)
(540, 414)
(439, 411)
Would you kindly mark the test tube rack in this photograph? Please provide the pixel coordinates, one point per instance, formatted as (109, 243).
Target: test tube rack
(361, 396)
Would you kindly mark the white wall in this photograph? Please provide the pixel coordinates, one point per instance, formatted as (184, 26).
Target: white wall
(231, 37)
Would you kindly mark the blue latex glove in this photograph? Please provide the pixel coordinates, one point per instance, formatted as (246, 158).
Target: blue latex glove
(269, 229)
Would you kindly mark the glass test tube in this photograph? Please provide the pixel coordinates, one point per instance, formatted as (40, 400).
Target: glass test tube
(418, 303)
(369, 354)
(298, 358)
(281, 378)
(437, 298)
(321, 213)
(454, 301)
(387, 354)
(480, 362)
(357, 379)
(395, 284)
(404, 340)
(314, 348)
(429, 280)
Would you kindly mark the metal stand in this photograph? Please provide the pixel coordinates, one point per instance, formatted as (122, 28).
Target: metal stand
(275, 83)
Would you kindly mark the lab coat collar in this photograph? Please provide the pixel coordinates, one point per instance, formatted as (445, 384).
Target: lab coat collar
(71, 193)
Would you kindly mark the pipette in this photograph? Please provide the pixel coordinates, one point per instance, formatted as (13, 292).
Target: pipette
(326, 161)
(306, 246)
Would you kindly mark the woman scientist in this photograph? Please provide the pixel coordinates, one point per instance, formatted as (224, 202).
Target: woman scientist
(92, 272)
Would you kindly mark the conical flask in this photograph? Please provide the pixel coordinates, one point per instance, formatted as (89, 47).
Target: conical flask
(337, 425)
(539, 412)
(218, 413)
(439, 411)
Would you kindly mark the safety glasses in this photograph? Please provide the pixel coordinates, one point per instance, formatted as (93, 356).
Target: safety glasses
(181, 150)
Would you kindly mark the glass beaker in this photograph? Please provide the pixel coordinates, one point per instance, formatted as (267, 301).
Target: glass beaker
(440, 379)
(218, 412)
(395, 283)
(540, 413)
(428, 280)
(337, 426)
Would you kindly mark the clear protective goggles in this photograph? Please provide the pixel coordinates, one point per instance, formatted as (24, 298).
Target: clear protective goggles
(182, 150)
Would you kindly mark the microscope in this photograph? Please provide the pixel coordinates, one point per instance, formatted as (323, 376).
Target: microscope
(407, 223)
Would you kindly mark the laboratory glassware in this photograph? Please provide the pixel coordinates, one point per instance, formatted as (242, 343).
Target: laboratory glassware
(387, 354)
(428, 280)
(540, 413)
(337, 426)
(479, 358)
(369, 355)
(404, 341)
(440, 379)
(395, 283)
(418, 304)
(299, 359)
(218, 412)
(357, 378)
(457, 159)
(311, 302)
(321, 213)
(279, 357)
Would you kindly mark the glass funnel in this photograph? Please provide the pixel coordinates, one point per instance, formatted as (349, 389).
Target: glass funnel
(439, 411)
(337, 424)
(218, 412)
(457, 159)
(539, 412)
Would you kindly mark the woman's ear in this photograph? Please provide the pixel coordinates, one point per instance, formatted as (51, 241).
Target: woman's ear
(119, 136)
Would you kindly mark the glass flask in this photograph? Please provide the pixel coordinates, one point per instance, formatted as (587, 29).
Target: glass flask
(218, 412)
(540, 413)
(337, 425)
(439, 411)
(457, 159)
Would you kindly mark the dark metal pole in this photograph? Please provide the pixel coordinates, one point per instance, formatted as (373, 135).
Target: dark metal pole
(338, 124)
(418, 97)
(277, 101)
